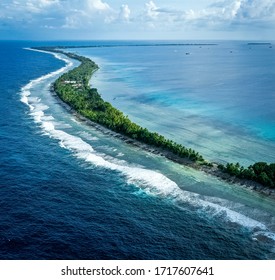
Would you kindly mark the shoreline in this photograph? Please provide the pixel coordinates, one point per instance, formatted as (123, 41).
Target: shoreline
(211, 171)
(187, 157)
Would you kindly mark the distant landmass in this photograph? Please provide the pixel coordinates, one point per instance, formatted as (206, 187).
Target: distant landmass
(255, 44)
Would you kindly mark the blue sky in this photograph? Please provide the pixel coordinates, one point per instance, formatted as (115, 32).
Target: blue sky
(149, 19)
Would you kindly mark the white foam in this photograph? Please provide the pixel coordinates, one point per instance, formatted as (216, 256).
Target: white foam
(47, 126)
(24, 99)
(220, 209)
(56, 55)
(37, 116)
(235, 217)
(49, 118)
(88, 136)
(25, 91)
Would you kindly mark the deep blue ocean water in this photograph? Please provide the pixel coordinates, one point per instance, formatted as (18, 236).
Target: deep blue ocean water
(68, 191)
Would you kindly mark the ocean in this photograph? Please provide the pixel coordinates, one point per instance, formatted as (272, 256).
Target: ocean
(68, 191)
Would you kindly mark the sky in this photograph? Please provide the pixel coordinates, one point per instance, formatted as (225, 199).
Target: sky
(128, 19)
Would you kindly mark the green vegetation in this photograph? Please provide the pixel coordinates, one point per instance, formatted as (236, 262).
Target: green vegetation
(260, 172)
(74, 89)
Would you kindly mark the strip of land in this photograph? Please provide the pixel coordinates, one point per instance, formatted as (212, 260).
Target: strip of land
(73, 89)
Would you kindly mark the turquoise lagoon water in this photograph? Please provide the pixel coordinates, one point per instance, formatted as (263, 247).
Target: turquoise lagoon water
(217, 99)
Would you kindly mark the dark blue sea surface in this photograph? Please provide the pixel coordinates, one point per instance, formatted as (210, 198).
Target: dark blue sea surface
(68, 191)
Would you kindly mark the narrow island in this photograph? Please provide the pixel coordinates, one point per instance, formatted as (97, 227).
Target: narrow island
(259, 44)
(74, 90)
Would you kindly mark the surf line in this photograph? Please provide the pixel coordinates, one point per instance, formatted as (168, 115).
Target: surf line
(74, 92)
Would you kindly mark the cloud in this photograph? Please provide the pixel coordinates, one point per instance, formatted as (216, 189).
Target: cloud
(26, 10)
(35, 6)
(88, 13)
(125, 13)
(66, 10)
(242, 11)
(220, 14)
(156, 15)
(151, 10)
(98, 5)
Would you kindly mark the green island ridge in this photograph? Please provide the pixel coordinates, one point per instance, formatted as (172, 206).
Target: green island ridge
(74, 90)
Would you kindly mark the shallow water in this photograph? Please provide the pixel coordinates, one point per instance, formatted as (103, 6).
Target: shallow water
(218, 99)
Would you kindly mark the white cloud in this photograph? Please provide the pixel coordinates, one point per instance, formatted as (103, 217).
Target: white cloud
(235, 8)
(125, 13)
(38, 6)
(74, 19)
(220, 14)
(85, 14)
(159, 15)
(98, 5)
(25, 9)
(151, 10)
(243, 10)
